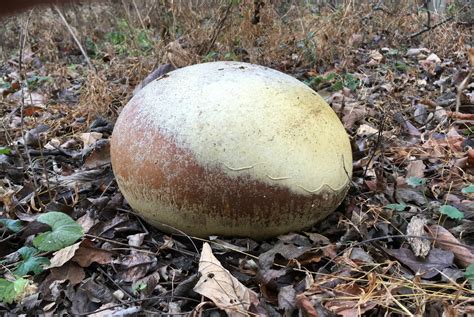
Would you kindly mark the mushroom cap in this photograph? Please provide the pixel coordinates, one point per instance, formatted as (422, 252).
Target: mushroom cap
(230, 148)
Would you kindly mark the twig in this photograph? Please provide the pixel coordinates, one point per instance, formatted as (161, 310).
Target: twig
(71, 31)
(219, 26)
(23, 36)
(139, 15)
(461, 87)
(426, 29)
(378, 143)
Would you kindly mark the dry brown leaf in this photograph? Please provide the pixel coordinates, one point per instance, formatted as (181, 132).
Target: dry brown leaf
(416, 168)
(62, 256)
(99, 156)
(217, 284)
(70, 271)
(88, 253)
(416, 227)
(90, 138)
(84, 253)
(136, 265)
(304, 304)
(446, 241)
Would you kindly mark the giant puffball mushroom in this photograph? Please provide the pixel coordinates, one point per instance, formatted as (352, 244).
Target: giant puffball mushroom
(233, 149)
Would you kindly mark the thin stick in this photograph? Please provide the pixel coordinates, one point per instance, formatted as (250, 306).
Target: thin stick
(460, 88)
(71, 31)
(139, 15)
(23, 35)
(426, 29)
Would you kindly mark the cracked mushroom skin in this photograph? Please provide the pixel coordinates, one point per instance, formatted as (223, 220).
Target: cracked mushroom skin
(232, 149)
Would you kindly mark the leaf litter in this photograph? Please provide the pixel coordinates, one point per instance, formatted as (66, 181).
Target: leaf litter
(401, 243)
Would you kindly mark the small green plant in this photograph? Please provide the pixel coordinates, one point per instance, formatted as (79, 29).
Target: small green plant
(5, 84)
(65, 231)
(414, 181)
(11, 291)
(336, 81)
(309, 47)
(30, 262)
(116, 37)
(11, 225)
(469, 274)
(127, 40)
(469, 131)
(211, 56)
(137, 287)
(451, 212)
(143, 40)
(396, 207)
(401, 66)
(5, 150)
(91, 47)
(231, 56)
(35, 82)
(468, 190)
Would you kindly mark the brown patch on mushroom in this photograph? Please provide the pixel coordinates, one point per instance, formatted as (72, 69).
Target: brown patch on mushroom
(205, 199)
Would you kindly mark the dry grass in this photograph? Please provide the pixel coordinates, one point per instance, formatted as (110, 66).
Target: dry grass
(289, 36)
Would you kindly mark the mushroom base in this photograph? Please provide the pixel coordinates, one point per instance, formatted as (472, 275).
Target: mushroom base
(258, 216)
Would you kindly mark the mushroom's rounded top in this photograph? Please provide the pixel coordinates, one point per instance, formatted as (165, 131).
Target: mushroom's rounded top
(247, 120)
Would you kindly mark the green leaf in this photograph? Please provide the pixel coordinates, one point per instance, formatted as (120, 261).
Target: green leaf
(351, 82)
(468, 190)
(65, 231)
(30, 262)
(35, 81)
(393, 52)
(414, 181)
(12, 225)
(116, 38)
(338, 85)
(396, 207)
(136, 288)
(11, 291)
(5, 150)
(330, 77)
(451, 212)
(144, 41)
(401, 66)
(469, 274)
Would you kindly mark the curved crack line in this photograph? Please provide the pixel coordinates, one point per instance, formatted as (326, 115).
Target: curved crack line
(312, 191)
(277, 178)
(243, 168)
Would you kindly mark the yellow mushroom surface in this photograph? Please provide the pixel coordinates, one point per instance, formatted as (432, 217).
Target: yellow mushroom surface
(233, 149)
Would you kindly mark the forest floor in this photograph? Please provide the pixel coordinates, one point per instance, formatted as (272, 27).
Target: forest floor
(400, 244)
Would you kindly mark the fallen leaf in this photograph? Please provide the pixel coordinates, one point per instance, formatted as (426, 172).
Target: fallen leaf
(69, 271)
(88, 254)
(429, 267)
(417, 51)
(286, 298)
(136, 240)
(217, 284)
(64, 255)
(135, 266)
(433, 58)
(446, 241)
(416, 227)
(99, 156)
(90, 138)
(304, 304)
